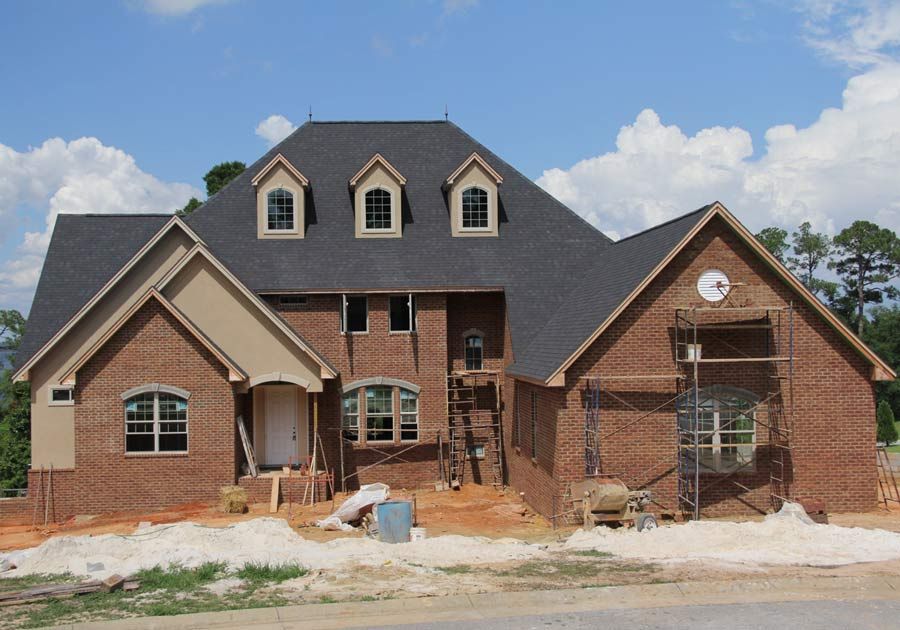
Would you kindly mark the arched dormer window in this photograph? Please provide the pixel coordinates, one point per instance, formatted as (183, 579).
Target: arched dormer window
(475, 209)
(474, 353)
(280, 210)
(727, 428)
(379, 210)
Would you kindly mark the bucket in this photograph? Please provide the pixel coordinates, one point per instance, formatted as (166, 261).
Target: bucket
(417, 533)
(394, 521)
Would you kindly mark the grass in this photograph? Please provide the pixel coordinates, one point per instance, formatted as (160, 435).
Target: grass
(178, 578)
(266, 573)
(592, 553)
(456, 569)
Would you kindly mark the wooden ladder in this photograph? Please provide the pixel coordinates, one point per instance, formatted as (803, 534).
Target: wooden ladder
(887, 481)
(469, 423)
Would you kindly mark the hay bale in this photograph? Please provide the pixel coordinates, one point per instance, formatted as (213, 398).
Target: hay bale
(233, 499)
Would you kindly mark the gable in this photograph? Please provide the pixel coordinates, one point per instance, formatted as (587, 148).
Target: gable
(238, 322)
(612, 285)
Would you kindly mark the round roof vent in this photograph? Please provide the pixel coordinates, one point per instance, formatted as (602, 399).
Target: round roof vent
(713, 285)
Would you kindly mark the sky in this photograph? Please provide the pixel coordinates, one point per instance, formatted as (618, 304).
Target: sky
(631, 115)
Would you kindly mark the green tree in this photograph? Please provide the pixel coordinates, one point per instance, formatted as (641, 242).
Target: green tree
(189, 207)
(868, 258)
(811, 249)
(775, 240)
(15, 408)
(886, 429)
(221, 174)
(882, 334)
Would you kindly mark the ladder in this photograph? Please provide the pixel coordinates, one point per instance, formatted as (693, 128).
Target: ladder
(473, 418)
(887, 481)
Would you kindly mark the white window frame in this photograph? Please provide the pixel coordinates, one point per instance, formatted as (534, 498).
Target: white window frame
(713, 394)
(490, 211)
(404, 415)
(393, 414)
(296, 228)
(344, 330)
(394, 218)
(351, 416)
(480, 337)
(61, 403)
(156, 422)
(413, 311)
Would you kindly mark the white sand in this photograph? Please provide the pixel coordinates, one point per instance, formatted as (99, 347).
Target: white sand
(262, 540)
(786, 538)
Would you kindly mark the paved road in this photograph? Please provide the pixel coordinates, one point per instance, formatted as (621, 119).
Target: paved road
(859, 615)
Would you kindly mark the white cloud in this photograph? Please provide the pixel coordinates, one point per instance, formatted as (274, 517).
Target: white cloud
(274, 129)
(176, 7)
(381, 46)
(458, 6)
(854, 32)
(842, 167)
(79, 176)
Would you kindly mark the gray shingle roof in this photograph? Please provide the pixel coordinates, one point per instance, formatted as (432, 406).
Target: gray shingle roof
(541, 245)
(616, 272)
(85, 252)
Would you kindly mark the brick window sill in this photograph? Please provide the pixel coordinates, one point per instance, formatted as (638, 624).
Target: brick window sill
(154, 455)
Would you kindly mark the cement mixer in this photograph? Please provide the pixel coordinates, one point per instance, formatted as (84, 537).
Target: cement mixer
(606, 500)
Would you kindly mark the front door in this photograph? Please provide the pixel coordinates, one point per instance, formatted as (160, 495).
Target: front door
(281, 425)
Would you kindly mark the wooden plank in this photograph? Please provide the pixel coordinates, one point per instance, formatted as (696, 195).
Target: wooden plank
(273, 500)
(248, 448)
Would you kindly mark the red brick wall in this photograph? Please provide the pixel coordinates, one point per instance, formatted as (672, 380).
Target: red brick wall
(153, 347)
(54, 495)
(834, 409)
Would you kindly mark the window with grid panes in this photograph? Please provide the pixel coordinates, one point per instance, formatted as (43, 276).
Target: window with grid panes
(379, 414)
(475, 209)
(280, 204)
(409, 415)
(350, 416)
(378, 209)
(156, 422)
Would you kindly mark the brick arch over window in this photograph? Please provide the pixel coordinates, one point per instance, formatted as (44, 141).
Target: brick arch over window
(381, 380)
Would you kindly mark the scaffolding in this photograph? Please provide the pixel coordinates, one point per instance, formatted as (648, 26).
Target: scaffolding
(733, 335)
(473, 420)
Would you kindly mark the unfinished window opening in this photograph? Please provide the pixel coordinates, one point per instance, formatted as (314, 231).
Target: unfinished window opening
(355, 314)
(350, 416)
(726, 427)
(156, 422)
(409, 416)
(292, 300)
(474, 353)
(403, 313)
(379, 414)
(533, 424)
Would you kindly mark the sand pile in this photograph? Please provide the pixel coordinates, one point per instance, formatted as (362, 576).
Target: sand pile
(263, 540)
(786, 538)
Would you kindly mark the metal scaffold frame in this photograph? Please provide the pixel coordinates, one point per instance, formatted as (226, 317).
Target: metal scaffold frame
(469, 422)
(773, 411)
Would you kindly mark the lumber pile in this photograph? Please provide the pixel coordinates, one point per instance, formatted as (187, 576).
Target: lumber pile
(62, 591)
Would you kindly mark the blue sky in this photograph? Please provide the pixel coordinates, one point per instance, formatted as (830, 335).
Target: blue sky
(630, 114)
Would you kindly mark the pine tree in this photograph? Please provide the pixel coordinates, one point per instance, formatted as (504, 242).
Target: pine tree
(887, 430)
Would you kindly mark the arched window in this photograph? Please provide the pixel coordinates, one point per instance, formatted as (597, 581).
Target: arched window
(474, 353)
(350, 415)
(378, 209)
(379, 414)
(475, 214)
(409, 416)
(280, 203)
(370, 411)
(156, 422)
(727, 428)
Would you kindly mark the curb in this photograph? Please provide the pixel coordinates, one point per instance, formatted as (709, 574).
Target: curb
(513, 604)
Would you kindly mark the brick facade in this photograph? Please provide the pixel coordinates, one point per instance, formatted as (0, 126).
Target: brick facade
(833, 437)
(152, 347)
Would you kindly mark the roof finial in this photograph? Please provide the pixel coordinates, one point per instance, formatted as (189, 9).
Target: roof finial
(310, 113)
(446, 113)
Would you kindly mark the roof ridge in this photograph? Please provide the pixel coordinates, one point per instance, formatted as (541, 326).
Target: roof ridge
(116, 214)
(427, 121)
(665, 223)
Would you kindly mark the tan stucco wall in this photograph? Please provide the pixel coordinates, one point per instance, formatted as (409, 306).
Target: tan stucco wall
(236, 325)
(378, 177)
(474, 175)
(280, 177)
(52, 428)
(259, 424)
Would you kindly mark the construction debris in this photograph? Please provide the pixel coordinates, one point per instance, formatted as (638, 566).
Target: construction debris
(356, 507)
(62, 591)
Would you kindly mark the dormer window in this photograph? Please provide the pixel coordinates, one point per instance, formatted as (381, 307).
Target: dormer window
(280, 205)
(379, 210)
(377, 191)
(475, 213)
(472, 194)
(280, 210)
